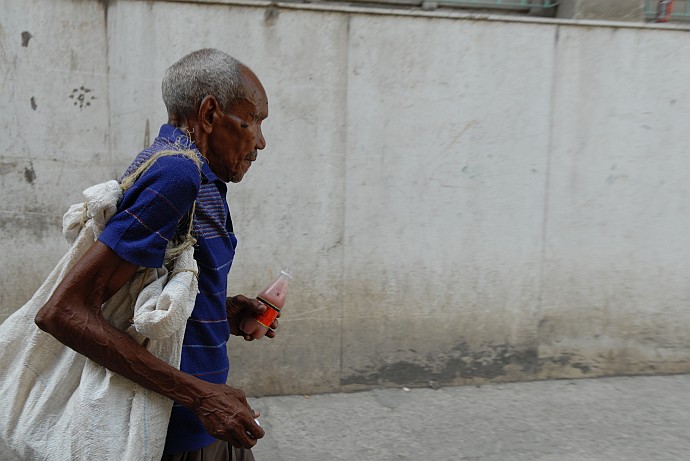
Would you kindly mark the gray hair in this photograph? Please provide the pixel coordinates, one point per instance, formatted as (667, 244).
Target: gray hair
(199, 74)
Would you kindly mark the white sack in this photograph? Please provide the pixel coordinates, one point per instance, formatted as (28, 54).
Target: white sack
(56, 404)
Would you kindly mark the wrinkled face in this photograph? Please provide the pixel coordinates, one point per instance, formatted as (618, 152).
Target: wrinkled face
(236, 135)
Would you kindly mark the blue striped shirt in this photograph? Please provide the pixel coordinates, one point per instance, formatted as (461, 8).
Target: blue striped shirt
(147, 218)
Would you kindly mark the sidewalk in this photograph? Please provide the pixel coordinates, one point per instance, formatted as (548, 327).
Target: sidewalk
(611, 419)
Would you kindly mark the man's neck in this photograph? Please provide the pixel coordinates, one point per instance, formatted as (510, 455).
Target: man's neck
(190, 127)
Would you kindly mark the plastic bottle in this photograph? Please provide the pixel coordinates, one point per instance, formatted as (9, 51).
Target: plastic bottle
(273, 297)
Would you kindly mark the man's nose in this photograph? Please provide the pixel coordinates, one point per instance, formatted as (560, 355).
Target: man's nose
(260, 140)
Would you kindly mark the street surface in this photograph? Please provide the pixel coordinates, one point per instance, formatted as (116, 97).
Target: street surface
(610, 419)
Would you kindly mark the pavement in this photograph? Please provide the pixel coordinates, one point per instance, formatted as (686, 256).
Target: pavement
(609, 419)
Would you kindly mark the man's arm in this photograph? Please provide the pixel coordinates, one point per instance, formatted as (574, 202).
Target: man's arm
(73, 315)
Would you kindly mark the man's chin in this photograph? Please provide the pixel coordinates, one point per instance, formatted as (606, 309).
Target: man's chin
(242, 168)
(237, 177)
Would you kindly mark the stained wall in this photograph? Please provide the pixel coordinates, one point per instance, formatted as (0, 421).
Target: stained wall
(463, 199)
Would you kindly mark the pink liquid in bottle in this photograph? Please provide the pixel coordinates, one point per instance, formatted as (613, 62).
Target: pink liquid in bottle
(273, 297)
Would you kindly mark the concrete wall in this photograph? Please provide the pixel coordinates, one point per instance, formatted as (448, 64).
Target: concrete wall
(464, 200)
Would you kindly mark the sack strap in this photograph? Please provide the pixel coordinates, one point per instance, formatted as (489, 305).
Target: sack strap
(188, 239)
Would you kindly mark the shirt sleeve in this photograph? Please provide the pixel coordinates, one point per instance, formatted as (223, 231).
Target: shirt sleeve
(150, 211)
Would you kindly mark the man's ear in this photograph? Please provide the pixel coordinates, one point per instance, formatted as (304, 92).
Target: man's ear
(207, 110)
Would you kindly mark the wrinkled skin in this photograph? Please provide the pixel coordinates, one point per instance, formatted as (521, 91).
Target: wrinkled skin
(224, 414)
(73, 313)
(232, 148)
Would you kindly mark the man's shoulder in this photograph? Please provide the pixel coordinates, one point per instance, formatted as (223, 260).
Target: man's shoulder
(178, 164)
(167, 164)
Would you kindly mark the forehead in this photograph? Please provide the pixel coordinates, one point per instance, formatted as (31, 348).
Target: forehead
(255, 95)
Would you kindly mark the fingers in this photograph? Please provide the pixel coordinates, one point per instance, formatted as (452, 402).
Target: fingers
(246, 440)
(238, 431)
(241, 428)
(249, 306)
(257, 307)
(249, 432)
(240, 303)
(271, 333)
(255, 431)
(232, 441)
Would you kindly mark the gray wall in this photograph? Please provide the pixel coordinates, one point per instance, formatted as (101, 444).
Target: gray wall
(464, 200)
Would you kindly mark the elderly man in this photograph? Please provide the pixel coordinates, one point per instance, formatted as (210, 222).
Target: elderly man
(215, 107)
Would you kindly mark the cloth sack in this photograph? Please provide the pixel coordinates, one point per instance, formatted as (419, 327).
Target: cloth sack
(55, 404)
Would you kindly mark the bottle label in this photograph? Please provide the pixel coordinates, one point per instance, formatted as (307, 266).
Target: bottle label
(268, 304)
(271, 313)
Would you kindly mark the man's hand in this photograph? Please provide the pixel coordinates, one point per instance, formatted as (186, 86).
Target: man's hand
(226, 415)
(238, 307)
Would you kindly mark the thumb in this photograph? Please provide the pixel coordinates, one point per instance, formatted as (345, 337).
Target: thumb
(258, 307)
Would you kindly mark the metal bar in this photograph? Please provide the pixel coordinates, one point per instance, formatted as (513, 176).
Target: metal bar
(520, 4)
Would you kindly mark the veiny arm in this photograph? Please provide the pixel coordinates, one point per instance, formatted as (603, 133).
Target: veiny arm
(73, 316)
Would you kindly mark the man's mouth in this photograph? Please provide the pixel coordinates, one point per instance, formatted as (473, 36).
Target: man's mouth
(251, 156)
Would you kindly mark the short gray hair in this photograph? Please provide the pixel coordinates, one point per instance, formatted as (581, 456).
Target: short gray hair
(199, 74)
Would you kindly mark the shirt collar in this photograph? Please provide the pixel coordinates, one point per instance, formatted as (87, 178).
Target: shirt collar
(180, 139)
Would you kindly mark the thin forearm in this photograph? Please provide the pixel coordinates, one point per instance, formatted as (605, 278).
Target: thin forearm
(73, 315)
(93, 337)
(224, 411)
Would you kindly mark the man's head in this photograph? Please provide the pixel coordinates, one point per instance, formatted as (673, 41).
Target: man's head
(222, 104)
